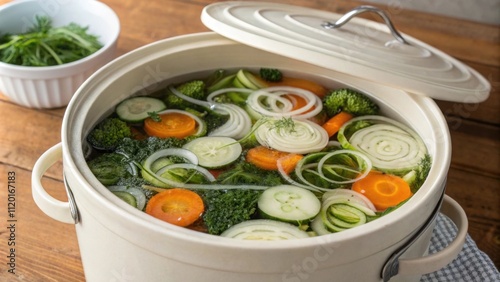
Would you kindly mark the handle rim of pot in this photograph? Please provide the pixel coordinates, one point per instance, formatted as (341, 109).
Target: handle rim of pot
(62, 211)
(440, 259)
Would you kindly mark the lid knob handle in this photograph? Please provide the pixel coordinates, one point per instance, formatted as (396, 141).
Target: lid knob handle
(362, 9)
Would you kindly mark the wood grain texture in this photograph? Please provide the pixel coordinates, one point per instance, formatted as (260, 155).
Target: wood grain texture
(48, 250)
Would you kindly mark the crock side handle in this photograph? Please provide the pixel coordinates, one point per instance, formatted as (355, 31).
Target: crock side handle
(438, 260)
(58, 210)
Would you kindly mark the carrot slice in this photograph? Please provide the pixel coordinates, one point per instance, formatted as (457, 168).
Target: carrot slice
(172, 124)
(306, 84)
(289, 162)
(267, 159)
(383, 190)
(333, 125)
(177, 206)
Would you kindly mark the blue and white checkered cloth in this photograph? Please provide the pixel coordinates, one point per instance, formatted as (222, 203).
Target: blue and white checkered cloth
(471, 265)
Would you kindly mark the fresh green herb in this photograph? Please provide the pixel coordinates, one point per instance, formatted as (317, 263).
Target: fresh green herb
(44, 45)
(285, 123)
(154, 116)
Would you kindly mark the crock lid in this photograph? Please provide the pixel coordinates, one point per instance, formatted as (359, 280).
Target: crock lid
(360, 47)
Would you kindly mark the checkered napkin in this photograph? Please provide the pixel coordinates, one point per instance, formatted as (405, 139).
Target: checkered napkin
(471, 265)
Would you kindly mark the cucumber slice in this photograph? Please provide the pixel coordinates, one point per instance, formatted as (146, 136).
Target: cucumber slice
(222, 83)
(289, 203)
(127, 197)
(214, 151)
(248, 80)
(238, 84)
(136, 109)
(264, 230)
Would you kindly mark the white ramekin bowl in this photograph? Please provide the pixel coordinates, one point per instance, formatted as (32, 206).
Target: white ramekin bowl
(53, 86)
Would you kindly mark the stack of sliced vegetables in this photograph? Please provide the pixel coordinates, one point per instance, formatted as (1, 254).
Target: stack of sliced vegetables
(332, 168)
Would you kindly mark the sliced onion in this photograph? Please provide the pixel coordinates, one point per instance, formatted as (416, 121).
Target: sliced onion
(349, 195)
(179, 152)
(198, 168)
(237, 126)
(343, 209)
(192, 164)
(390, 145)
(272, 103)
(298, 184)
(318, 227)
(239, 122)
(305, 136)
(132, 169)
(362, 170)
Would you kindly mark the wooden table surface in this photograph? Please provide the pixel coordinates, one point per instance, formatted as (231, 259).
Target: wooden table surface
(47, 250)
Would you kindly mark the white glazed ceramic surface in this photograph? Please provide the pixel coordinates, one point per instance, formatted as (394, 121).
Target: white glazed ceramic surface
(50, 87)
(120, 243)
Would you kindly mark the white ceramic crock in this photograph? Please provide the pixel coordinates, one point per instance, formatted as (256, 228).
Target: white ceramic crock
(119, 242)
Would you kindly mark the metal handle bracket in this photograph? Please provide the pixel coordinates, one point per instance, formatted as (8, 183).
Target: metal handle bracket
(362, 9)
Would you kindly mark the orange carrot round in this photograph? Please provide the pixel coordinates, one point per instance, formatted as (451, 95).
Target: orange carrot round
(289, 162)
(177, 206)
(333, 125)
(172, 124)
(298, 102)
(267, 159)
(306, 84)
(383, 190)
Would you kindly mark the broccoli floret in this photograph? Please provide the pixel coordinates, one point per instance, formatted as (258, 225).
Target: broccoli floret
(225, 208)
(108, 134)
(139, 150)
(416, 177)
(108, 168)
(215, 120)
(247, 173)
(271, 75)
(194, 89)
(350, 101)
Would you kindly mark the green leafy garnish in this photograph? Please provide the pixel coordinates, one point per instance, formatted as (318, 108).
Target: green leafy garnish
(154, 116)
(44, 45)
(285, 123)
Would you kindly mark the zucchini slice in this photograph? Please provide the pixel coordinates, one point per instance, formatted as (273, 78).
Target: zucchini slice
(214, 151)
(289, 203)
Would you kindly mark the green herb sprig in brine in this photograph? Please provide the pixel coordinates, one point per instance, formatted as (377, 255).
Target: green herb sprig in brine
(45, 45)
